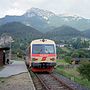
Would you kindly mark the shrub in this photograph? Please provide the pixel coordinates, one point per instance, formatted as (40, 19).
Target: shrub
(75, 55)
(68, 59)
(84, 69)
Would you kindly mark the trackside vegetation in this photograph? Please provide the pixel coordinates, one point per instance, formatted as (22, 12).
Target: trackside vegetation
(67, 56)
(74, 72)
(84, 69)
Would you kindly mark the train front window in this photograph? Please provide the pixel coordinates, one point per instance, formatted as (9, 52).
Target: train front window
(43, 49)
(49, 49)
(37, 49)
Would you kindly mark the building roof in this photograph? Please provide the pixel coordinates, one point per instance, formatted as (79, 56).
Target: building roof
(5, 48)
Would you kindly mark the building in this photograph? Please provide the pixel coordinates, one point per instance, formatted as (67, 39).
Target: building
(4, 55)
(75, 60)
(60, 45)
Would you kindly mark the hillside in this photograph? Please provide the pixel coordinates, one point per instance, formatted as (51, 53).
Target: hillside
(21, 33)
(63, 32)
(19, 29)
(86, 33)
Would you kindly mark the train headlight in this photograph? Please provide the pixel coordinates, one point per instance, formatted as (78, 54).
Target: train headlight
(34, 59)
(52, 59)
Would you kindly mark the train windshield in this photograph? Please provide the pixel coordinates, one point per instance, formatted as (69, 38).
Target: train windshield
(43, 49)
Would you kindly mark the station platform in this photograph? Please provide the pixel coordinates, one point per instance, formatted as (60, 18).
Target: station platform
(18, 69)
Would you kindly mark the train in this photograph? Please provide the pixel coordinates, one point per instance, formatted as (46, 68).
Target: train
(41, 55)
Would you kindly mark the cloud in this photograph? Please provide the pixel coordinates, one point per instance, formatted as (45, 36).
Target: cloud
(18, 7)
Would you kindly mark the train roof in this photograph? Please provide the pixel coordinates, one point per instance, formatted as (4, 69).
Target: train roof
(43, 41)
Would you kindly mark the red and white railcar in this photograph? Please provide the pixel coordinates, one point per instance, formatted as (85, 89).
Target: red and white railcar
(42, 55)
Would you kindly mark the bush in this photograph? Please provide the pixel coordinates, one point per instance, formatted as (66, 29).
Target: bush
(68, 59)
(84, 69)
(75, 55)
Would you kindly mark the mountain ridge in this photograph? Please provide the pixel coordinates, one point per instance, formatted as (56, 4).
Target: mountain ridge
(23, 34)
(19, 30)
(63, 32)
(45, 20)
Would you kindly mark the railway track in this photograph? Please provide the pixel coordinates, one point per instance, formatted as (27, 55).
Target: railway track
(37, 83)
(51, 82)
(54, 81)
(46, 81)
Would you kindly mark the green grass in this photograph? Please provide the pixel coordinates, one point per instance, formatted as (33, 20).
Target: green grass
(61, 62)
(72, 74)
(65, 49)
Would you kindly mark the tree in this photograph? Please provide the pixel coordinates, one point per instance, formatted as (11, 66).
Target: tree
(60, 51)
(75, 55)
(84, 69)
(82, 53)
(80, 43)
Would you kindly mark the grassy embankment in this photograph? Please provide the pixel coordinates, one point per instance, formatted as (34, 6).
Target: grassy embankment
(71, 72)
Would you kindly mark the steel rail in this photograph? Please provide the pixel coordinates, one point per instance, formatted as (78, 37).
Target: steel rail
(41, 80)
(57, 79)
(70, 88)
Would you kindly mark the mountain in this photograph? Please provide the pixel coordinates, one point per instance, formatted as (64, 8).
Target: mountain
(86, 33)
(38, 18)
(17, 28)
(8, 19)
(21, 33)
(63, 32)
(34, 17)
(77, 22)
(39, 12)
(45, 21)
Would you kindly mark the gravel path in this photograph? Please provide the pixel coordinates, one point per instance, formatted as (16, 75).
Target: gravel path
(17, 82)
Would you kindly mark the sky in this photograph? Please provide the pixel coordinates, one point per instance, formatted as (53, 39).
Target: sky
(70, 7)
